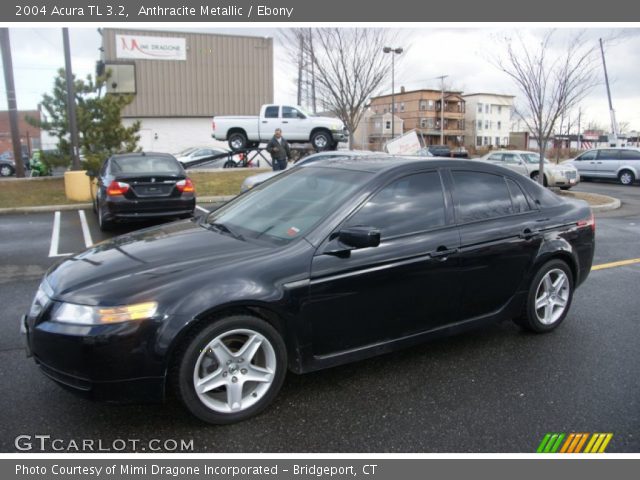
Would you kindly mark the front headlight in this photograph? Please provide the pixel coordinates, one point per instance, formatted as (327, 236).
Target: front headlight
(41, 299)
(86, 315)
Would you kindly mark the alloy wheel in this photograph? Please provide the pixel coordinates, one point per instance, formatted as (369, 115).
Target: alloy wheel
(552, 296)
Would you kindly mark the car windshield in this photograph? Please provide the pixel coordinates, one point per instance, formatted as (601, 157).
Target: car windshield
(186, 151)
(145, 164)
(533, 158)
(289, 206)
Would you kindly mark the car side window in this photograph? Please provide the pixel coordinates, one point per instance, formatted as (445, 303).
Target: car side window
(520, 202)
(495, 157)
(510, 158)
(591, 155)
(629, 154)
(608, 154)
(271, 112)
(290, 112)
(480, 196)
(409, 205)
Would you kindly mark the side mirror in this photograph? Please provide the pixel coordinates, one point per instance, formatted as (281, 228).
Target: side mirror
(360, 237)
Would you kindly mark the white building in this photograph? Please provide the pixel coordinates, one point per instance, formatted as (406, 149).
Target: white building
(487, 119)
(374, 130)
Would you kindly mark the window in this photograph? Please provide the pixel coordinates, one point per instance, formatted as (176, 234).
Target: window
(290, 112)
(497, 142)
(486, 108)
(499, 125)
(505, 141)
(408, 205)
(499, 110)
(387, 124)
(402, 106)
(423, 105)
(608, 154)
(486, 124)
(480, 196)
(511, 158)
(479, 108)
(423, 123)
(496, 157)
(479, 124)
(431, 105)
(478, 141)
(520, 203)
(590, 155)
(487, 140)
(271, 112)
(629, 154)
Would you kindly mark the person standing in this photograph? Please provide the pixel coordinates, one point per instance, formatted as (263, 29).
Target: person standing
(278, 147)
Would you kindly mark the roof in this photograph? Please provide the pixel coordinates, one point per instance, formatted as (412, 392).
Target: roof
(142, 154)
(382, 163)
(437, 90)
(488, 94)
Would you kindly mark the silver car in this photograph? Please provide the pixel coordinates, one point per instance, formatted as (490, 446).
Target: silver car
(527, 163)
(616, 163)
(255, 180)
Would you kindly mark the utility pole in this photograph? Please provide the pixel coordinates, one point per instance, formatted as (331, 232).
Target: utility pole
(7, 64)
(71, 102)
(579, 136)
(614, 125)
(442, 77)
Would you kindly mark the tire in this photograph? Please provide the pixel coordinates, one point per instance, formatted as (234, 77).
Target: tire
(321, 140)
(541, 312)
(565, 188)
(626, 177)
(105, 225)
(237, 141)
(229, 164)
(536, 175)
(216, 352)
(6, 170)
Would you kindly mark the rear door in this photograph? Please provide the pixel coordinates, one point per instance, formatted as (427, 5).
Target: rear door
(406, 285)
(608, 162)
(499, 239)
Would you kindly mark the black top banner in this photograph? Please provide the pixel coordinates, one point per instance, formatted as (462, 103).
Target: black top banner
(316, 11)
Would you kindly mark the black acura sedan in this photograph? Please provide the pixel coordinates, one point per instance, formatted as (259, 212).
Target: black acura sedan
(322, 265)
(139, 186)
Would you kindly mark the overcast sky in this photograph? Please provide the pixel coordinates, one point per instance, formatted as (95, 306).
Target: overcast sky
(464, 54)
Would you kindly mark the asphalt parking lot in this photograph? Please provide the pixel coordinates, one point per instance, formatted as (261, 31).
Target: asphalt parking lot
(494, 390)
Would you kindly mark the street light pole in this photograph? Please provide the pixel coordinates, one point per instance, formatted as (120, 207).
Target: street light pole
(393, 52)
(71, 102)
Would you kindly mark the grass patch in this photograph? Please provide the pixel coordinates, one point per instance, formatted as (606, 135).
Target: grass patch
(50, 191)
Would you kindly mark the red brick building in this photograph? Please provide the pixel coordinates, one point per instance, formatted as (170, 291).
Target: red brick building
(29, 135)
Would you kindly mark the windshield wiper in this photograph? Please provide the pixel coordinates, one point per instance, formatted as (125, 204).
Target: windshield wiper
(221, 227)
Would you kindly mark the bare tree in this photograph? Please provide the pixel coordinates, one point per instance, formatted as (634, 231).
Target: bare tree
(347, 66)
(551, 84)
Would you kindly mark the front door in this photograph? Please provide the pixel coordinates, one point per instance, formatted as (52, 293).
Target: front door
(406, 285)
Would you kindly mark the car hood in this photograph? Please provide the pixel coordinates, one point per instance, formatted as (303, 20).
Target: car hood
(149, 260)
(333, 120)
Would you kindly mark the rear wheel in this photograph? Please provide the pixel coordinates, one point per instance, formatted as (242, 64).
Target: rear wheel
(229, 164)
(237, 141)
(104, 224)
(321, 140)
(626, 177)
(230, 370)
(549, 297)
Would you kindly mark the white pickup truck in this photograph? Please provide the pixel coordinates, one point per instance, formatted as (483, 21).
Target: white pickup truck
(297, 125)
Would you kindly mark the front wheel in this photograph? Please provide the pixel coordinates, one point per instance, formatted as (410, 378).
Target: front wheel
(231, 370)
(549, 298)
(321, 140)
(230, 164)
(626, 177)
(237, 141)
(6, 170)
(536, 178)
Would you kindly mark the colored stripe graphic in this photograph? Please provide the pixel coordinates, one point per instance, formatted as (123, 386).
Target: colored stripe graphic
(574, 443)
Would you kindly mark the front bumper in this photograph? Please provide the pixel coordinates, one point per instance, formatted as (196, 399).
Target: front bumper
(557, 179)
(104, 362)
(340, 135)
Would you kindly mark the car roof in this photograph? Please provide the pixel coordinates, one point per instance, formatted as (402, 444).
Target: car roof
(381, 163)
(141, 155)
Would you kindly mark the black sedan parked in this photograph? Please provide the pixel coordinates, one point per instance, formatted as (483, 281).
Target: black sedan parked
(325, 264)
(139, 186)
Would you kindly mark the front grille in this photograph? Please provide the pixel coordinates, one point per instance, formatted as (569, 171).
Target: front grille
(570, 174)
(68, 380)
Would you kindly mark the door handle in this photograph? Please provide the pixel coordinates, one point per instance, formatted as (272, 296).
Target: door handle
(442, 252)
(264, 121)
(599, 163)
(285, 121)
(528, 233)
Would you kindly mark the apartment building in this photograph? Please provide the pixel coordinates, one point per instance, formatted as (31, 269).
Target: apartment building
(374, 130)
(487, 119)
(421, 110)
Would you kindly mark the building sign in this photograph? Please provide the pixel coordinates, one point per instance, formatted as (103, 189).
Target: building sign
(150, 48)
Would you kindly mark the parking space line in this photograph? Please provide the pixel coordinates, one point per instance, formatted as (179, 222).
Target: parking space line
(201, 208)
(55, 237)
(620, 263)
(85, 229)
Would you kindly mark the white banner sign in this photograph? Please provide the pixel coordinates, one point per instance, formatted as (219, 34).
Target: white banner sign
(150, 48)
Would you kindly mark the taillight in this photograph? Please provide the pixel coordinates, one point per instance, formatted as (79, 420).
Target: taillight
(590, 222)
(117, 188)
(213, 124)
(185, 185)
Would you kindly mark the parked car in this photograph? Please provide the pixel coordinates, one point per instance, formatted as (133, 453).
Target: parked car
(193, 155)
(7, 167)
(138, 186)
(527, 163)
(297, 125)
(615, 163)
(255, 180)
(326, 264)
(460, 152)
(440, 150)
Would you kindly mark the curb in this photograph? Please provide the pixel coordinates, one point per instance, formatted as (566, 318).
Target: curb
(612, 204)
(83, 206)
